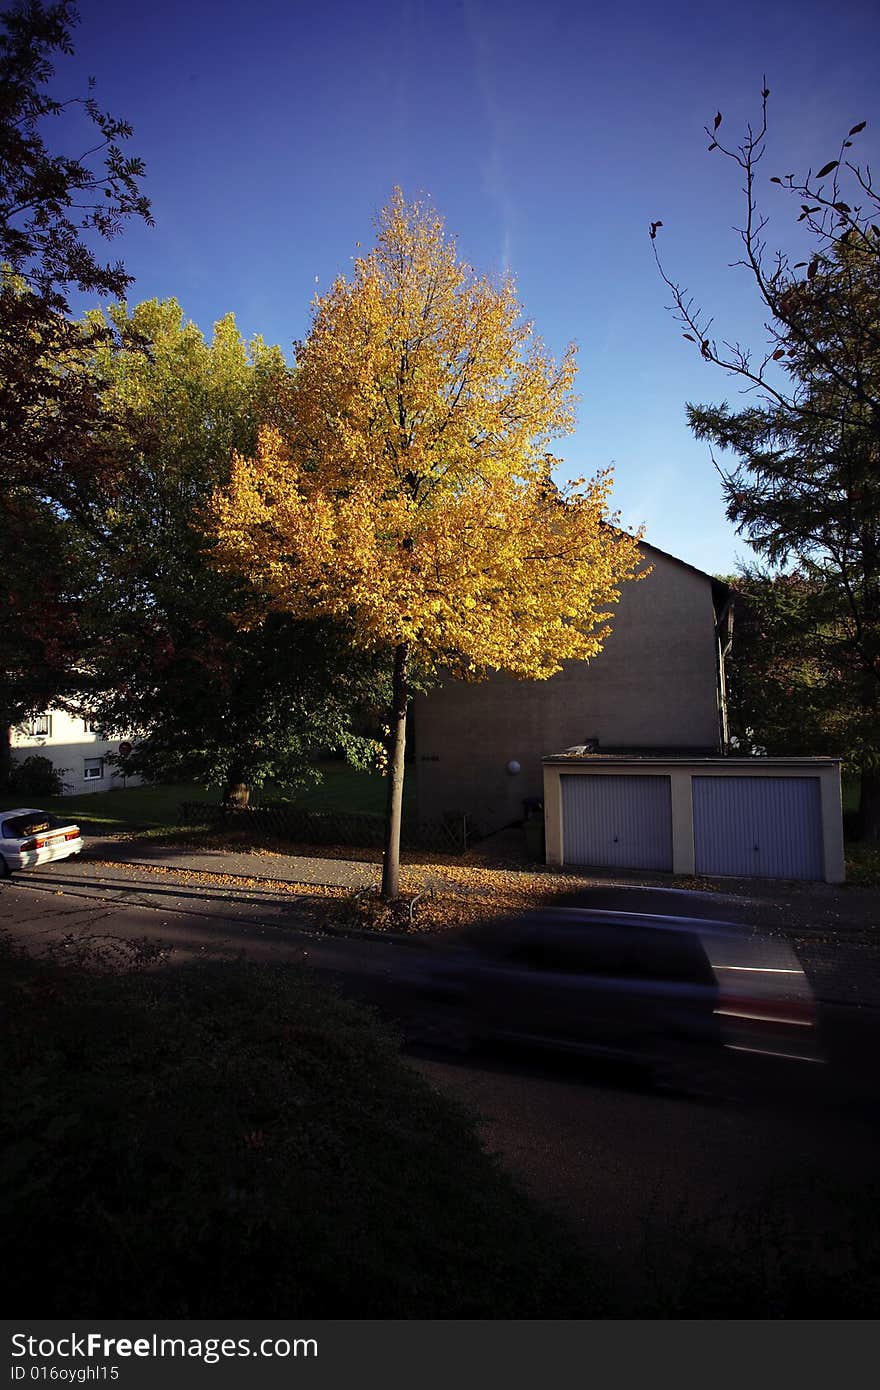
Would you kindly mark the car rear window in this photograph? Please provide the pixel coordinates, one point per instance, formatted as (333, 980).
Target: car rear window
(19, 827)
(612, 950)
(647, 954)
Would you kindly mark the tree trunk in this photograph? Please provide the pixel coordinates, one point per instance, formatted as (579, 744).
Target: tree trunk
(396, 753)
(5, 753)
(237, 791)
(869, 805)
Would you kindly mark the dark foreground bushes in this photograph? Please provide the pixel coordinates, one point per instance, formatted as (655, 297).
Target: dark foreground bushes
(231, 1140)
(228, 1140)
(35, 776)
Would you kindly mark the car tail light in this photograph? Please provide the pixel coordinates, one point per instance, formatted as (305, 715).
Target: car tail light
(30, 844)
(73, 833)
(798, 1013)
(768, 1010)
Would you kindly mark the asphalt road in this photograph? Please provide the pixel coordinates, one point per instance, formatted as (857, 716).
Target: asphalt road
(649, 1181)
(75, 902)
(198, 915)
(645, 1179)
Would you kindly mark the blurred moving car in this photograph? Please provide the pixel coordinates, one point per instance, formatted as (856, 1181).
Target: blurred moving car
(654, 901)
(636, 987)
(29, 837)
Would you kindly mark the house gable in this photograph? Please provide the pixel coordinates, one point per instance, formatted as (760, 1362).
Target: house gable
(478, 746)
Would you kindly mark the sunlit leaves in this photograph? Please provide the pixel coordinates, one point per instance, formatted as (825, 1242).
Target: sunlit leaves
(414, 497)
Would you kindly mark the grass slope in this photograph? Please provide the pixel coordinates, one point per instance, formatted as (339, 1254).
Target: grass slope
(122, 808)
(341, 788)
(234, 1141)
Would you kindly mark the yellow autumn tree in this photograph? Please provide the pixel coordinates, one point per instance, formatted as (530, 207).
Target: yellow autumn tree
(413, 500)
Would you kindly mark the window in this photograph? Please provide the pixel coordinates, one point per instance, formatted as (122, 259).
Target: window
(39, 727)
(93, 769)
(19, 827)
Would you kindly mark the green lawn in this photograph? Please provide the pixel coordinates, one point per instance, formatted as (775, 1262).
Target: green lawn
(863, 864)
(119, 809)
(862, 858)
(344, 789)
(849, 789)
(341, 789)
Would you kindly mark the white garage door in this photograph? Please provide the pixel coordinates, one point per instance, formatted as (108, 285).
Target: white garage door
(767, 826)
(617, 822)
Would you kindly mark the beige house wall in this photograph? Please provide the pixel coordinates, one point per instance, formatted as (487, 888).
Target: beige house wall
(69, 744)
(654, 685)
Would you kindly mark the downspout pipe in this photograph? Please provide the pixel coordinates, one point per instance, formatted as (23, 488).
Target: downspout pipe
(723, 644)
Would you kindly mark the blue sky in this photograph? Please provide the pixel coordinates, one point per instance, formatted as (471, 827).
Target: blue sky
(549, 135)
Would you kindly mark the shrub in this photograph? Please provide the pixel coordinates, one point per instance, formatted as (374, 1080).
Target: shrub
(228, 1140)
(36, 775)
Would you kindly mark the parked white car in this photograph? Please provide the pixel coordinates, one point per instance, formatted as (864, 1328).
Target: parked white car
(29, 837)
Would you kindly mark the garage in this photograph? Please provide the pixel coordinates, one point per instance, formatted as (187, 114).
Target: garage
(767, 827)
(709, 815)
(617, 822)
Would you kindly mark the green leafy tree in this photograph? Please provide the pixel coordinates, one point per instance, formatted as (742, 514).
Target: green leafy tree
(51, 202)
(55, 209)
(208, 697)
(804, 487)
(787, 696)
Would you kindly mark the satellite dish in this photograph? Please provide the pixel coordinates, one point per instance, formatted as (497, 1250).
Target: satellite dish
(124, 749)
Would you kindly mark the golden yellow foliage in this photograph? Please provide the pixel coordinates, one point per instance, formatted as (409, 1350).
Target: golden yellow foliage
(413, 499)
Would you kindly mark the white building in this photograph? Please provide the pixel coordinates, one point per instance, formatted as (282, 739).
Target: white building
(75, 747)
